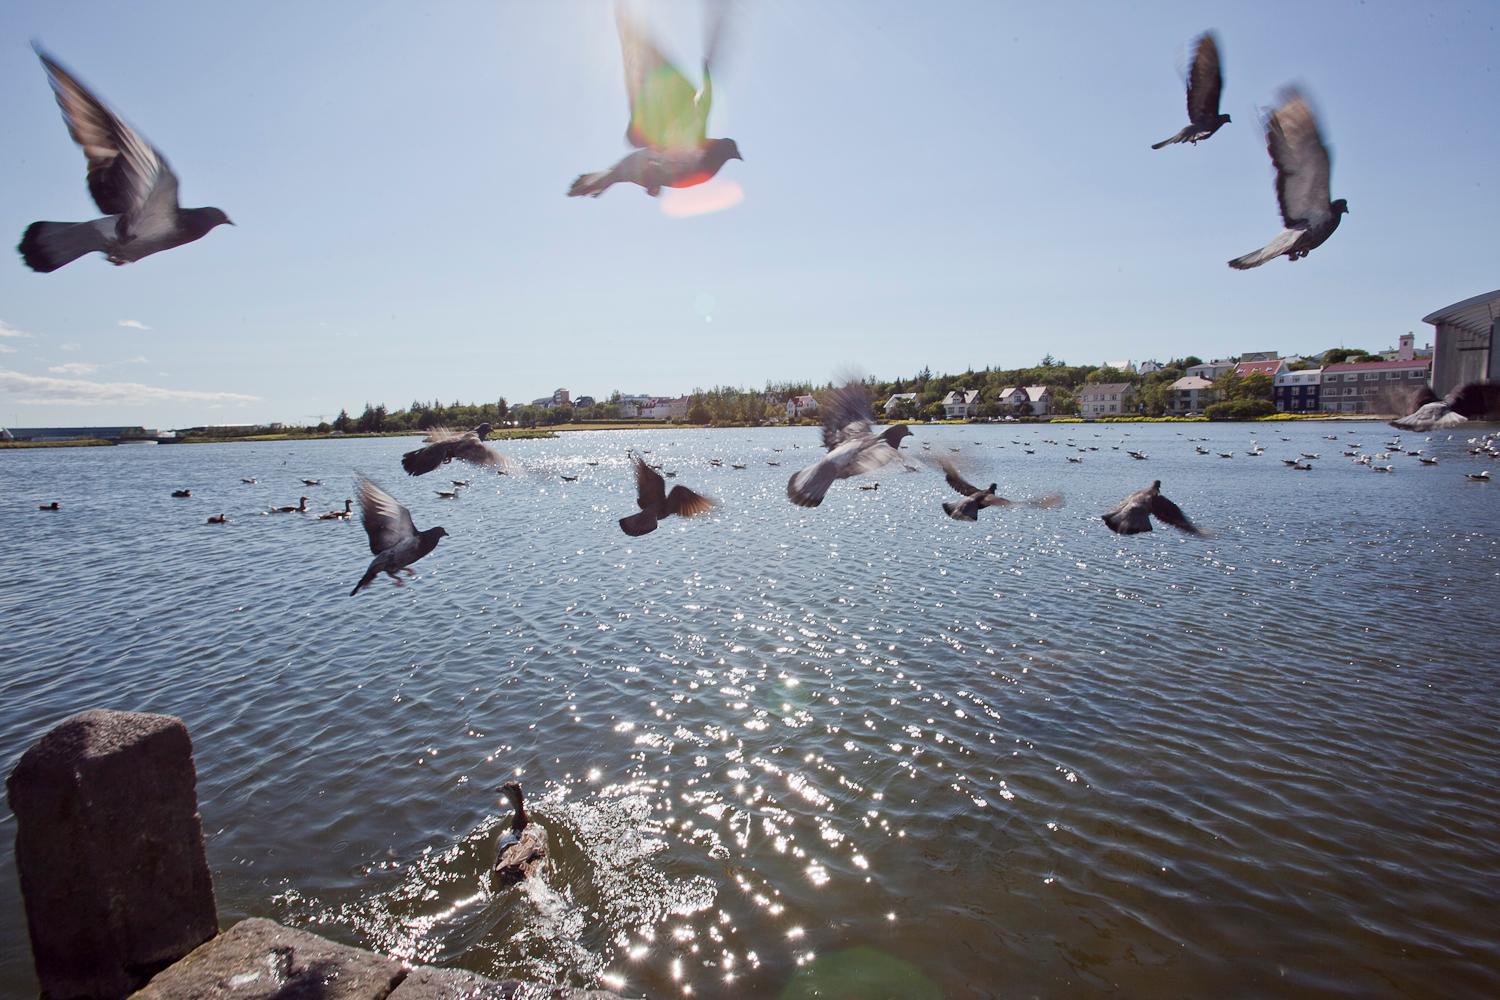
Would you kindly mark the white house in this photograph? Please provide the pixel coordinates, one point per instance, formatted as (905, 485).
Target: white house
(665, 409)
(799, 406)
(1147, 367)
(1013, 399)
(961, 404)
(1106, 399)
(1040, 398)
(909, 398)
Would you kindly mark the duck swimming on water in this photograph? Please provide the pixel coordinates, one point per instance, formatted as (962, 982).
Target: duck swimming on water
(522, 849)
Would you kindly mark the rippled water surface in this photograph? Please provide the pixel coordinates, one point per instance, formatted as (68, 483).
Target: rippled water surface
(779, 750)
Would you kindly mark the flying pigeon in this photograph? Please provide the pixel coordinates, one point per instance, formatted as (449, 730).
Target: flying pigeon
(1135, 512)
(975, 499)
(1470, 401)
(656, 503)
(668, 121)
(129, 180)
(445, 445)
(1205, 83)
(394, 539)
(853, 447)
(1302, 169)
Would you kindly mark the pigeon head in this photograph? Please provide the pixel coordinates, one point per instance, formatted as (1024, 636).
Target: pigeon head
(993, 487)
(1339, 206)
(1224, 120)
(721, 151)
(482, 430)
(512, 791)
(1156, 484)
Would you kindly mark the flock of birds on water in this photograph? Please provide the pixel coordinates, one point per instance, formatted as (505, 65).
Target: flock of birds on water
(134, 187)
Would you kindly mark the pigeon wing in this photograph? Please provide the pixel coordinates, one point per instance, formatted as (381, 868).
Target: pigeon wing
(1205, 81)
(665, 112)
(1476, 400)
(685, 503)
(847, 414)
(1301, 161)
(650, 487)
(470, 449)
(127, 177)
(958, 482)
(1168, 512)
(423, 460)
(437, 434)
(386, 522)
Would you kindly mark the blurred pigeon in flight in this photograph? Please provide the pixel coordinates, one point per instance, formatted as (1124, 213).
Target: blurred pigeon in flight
(1135, 512)
(445, 445)
(853, 446)
(1302, 170)
(1470, 401)
(130, 182)
(975, 499)
(668, 120)
(394, 539)
(656, 503)
(1205, 83)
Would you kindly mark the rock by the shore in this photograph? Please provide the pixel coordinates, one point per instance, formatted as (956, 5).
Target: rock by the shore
(426, 982)
(260, 959)
(109, 849)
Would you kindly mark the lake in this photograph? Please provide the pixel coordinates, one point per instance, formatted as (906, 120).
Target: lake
(780, 749)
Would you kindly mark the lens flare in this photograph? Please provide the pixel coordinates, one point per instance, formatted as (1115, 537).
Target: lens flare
(702, 199)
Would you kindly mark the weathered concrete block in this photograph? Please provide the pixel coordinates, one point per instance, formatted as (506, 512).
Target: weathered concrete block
(428, 983)
(260, 960)
(109, 847)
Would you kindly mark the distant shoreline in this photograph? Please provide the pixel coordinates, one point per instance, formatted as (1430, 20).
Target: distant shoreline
(529, 433)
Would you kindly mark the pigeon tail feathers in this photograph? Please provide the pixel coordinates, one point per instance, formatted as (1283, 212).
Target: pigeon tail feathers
(592, 185)
(638, 524)
(47, 246)
(1285, 241)
(1179, 137)
(956, 509)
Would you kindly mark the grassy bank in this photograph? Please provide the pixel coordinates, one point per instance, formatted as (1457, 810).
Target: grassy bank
(505, 434)
(80, 443)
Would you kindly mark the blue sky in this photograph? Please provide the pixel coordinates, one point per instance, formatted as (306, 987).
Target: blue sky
(947, 184)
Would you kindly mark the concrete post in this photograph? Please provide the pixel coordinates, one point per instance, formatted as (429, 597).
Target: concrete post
(109, 847)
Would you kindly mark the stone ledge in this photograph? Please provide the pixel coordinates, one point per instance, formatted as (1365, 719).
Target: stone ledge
(259, 959)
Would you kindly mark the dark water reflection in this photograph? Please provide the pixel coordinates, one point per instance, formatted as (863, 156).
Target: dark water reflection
(781, 749)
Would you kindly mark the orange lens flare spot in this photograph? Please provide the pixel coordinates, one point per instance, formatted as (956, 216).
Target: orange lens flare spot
(704, 199)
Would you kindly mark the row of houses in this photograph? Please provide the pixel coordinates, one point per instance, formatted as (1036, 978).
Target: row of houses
(1363, 387)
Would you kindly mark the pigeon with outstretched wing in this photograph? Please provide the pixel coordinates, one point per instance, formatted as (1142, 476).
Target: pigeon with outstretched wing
(1205, 84)
(853, 446)
(394, 539)
(1470, 401)
(656, 503)
(668, 120)
(976, 499)
(444, 445)
(1134, 513)
(129, 180)
(1302, 186)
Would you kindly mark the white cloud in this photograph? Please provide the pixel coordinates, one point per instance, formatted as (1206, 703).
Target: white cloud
(74, 368)
(134, 324)
(6, 330)
(139, 359)
(41, 390)
(70, 346)
(7, 350)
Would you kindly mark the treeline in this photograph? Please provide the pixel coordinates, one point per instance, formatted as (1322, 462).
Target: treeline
(1237, 398)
